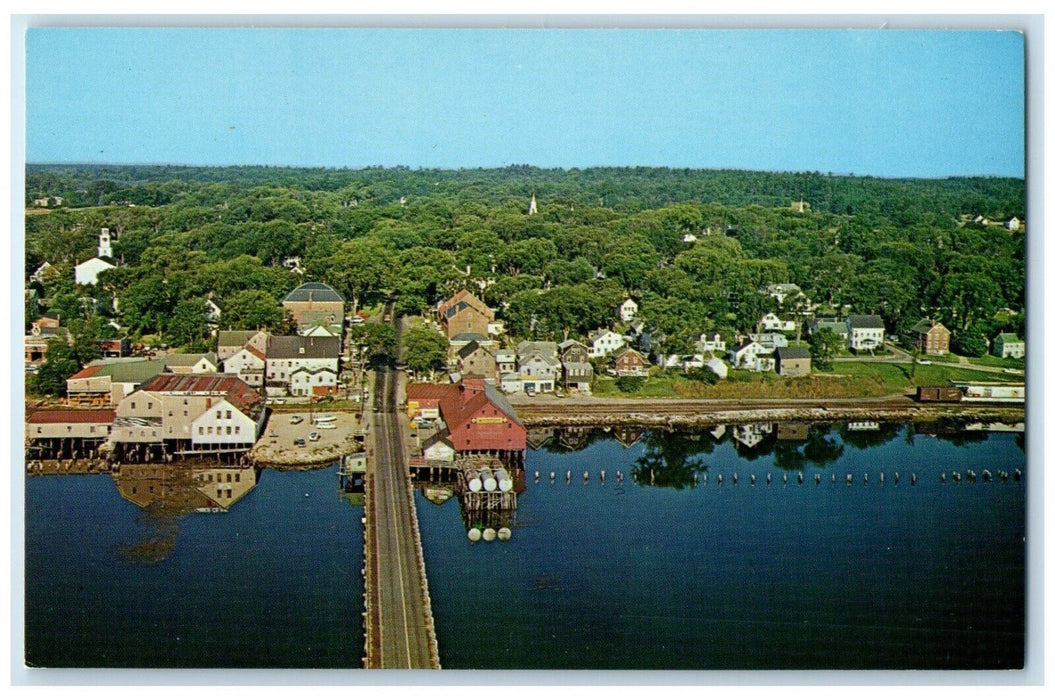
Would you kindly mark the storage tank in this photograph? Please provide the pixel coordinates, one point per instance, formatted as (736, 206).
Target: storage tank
(473, 534)
(505, 483)
(504, 533)
(488, 479)
(474, 481)
(489, 534)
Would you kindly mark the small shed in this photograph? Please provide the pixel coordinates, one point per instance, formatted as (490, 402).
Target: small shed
(438, 448)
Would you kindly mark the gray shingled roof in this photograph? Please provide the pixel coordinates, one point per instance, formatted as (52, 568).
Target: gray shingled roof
(793, 353)
(314, 291)
(864, 321)
(287, 347)
(498, 399)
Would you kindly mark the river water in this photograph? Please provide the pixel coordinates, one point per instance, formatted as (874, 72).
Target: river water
(671, 571)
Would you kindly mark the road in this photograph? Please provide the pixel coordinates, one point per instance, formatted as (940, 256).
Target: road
(399, 620)
(900, 356)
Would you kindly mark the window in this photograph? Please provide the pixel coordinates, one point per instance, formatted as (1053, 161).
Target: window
(237, 429)
(228, 414)
(150, 405)
(218, 414)
(210, 430)
(201, 430)
(133, 405)
(228, 477)
(39, 430)
(228, 430)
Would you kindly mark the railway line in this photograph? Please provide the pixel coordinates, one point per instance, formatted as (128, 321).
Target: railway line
(399, 628)
(535, 411)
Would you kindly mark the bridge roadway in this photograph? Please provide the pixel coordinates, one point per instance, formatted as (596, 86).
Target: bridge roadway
(399, 627)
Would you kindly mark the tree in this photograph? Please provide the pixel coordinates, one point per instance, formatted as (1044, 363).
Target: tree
(970, 342)
(188, 324)
(65, 359)
(425, 350)
(823, 344)
(359, 269)
(251, 309)
(379, 339)
(628, 384)
(702, 374)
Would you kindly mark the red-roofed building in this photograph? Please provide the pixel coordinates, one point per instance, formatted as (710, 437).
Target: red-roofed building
(67, 434)
(173, 413)
(478, 417)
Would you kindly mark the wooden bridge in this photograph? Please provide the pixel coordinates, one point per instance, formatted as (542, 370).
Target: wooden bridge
(399, 627)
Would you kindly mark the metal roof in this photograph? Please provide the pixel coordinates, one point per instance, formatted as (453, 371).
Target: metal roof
(314, 291)
(96, 416)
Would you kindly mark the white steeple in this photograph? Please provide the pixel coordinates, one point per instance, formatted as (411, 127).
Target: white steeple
(533, 207)
(105, 250)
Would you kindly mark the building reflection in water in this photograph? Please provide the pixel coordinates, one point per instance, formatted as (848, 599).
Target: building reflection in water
(167, 493)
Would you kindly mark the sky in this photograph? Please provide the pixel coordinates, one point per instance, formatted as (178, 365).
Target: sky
(872, 102)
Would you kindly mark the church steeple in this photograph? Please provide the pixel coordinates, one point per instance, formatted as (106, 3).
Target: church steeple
(533, 207)
(105, 249)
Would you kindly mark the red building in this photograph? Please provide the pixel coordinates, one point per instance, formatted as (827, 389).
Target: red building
(479, 419)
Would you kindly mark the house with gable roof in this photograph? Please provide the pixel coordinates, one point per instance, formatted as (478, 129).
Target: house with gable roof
(603, 342)
(865, 331)
(312, 302)
(1009, 345)
(465, 313)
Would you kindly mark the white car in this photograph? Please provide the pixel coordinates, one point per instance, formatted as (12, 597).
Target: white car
(923, 362)
(296, 419)
(314, 437)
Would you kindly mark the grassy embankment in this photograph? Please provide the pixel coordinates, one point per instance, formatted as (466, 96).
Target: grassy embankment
(847, 380)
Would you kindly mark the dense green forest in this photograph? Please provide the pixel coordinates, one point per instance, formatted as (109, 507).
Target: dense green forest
(901, 248)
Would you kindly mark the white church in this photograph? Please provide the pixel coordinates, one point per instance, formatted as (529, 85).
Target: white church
(87, 272)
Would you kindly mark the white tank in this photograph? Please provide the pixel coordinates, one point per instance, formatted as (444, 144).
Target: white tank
(473, 534)
(490, 483)
(489, 534)
(504, 533)
(474, 481)
(505, 483)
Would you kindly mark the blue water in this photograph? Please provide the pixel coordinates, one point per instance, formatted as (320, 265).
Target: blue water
(273, 583)
(824, 576)
(671, 576)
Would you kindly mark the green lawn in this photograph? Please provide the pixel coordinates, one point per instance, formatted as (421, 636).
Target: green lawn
(990, 361)
(847, 380)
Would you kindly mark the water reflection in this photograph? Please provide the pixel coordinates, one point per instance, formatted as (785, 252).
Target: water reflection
(678, 459)
(167, 493)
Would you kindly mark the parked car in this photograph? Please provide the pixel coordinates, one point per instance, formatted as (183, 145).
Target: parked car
(296, 419)
(299, 442)
(923, 362)
(314, 437)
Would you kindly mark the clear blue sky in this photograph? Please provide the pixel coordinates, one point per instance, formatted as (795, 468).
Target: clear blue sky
(887, 103)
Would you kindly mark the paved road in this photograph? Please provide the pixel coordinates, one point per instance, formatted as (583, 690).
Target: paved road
(396, 586)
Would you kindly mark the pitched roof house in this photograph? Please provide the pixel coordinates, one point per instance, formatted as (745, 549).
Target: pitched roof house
(865, 331)
(931, 337)
(630, 363)
(1009, 345)
(793, 361)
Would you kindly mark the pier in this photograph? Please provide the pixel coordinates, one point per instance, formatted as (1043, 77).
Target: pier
(400, 633)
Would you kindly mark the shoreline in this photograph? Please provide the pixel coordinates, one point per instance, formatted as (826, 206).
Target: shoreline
(678, 414)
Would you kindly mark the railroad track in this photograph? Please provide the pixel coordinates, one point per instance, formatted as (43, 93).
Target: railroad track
(400, 631)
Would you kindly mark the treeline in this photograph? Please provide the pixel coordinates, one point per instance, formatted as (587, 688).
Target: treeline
(623, 189)
(902, 249)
